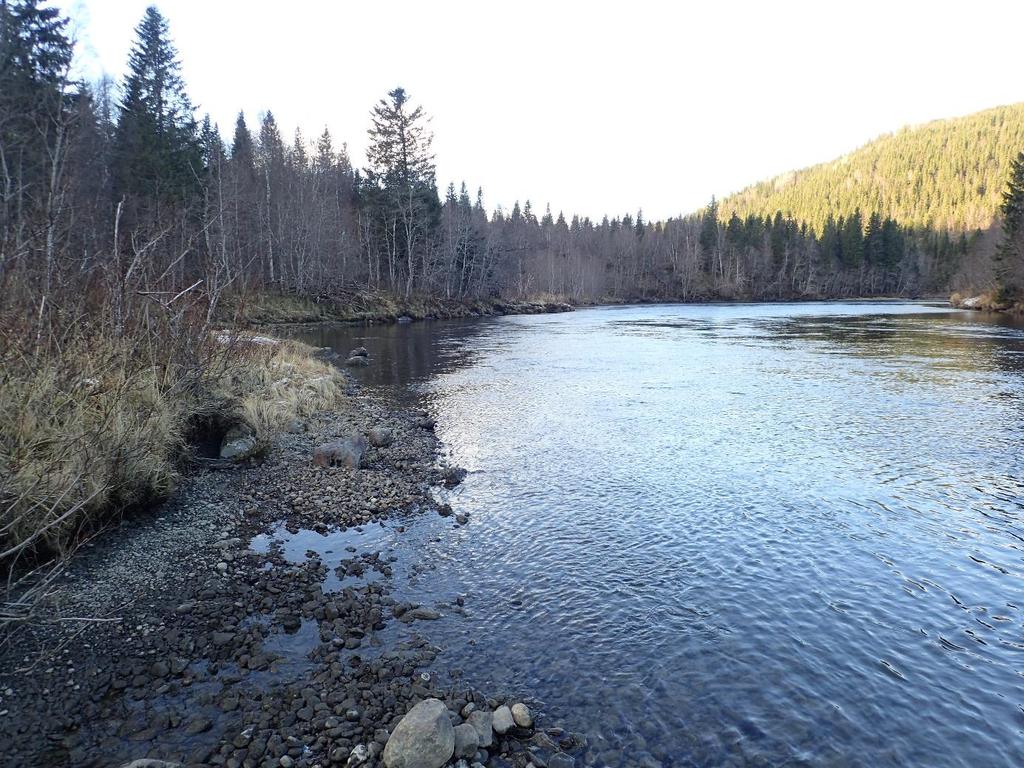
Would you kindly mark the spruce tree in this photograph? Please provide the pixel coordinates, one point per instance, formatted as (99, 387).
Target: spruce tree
(35, 54)
(157, 152)
(1009, 262)
(709, 228)
(241, 144)
(401, 175)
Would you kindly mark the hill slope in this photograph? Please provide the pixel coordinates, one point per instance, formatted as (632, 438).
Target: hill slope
(946, 174)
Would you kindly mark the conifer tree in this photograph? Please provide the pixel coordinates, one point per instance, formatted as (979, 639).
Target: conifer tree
(241, 144)
(401, 169)
(35, 54)
(157, 152)
(1010, 254)
(709, 228)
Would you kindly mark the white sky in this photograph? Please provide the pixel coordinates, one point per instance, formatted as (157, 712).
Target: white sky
(595, 107)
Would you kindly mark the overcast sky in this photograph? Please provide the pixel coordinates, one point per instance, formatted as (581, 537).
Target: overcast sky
(592, 107)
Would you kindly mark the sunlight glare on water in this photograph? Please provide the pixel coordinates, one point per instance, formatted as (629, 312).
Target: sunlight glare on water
(724, 534)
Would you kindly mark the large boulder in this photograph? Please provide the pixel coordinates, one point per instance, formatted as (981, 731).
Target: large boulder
(341, 453)
(359, 361)
(359, 352)
(424, 738)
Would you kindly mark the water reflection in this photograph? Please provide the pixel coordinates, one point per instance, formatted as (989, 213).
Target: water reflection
(734, 534)
(402, 353)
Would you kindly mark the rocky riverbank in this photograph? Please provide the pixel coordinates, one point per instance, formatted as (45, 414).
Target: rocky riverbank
(987, 302)
(177, 638)
(376, 308)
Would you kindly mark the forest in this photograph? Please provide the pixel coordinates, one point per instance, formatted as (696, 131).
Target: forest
(120, 189)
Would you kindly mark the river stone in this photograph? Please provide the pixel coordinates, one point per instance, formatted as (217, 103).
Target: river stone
(466, 740)
(146, 762)
(561, 760)
(503, 721)
(483, 722)
(521, 714)
(347, 453)
(359, 352)
(358, 756)
(380, 437)
(358, 361)
(424, 738)
(239, 443)
(425, 614)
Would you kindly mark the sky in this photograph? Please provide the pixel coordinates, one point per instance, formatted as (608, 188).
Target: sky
(592, 107)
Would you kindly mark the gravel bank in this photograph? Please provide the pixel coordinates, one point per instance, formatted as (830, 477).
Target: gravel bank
(173, 639)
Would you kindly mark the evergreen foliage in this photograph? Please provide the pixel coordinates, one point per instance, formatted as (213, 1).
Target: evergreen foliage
(35, 114)
(944, 175)
(1010, 254)
(156, 147)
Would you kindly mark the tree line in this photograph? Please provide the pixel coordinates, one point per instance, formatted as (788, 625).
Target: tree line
(118, 188)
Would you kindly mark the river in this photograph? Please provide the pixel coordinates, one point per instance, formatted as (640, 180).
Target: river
(732, 534)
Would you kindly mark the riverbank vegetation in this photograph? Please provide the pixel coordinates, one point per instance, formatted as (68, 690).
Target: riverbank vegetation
(94, 423)
(130, 230)
(127, 170)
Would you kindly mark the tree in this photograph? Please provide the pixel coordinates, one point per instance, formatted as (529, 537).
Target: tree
(401, 168)
(1009, 264)
(157, 153)
(709, 231)
(35, 55)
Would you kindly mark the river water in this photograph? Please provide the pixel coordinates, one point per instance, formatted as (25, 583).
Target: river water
(733, 534)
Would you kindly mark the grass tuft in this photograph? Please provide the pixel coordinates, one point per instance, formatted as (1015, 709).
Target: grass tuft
(99, 424)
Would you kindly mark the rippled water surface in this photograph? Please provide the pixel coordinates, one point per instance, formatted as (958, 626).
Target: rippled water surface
(735, 534)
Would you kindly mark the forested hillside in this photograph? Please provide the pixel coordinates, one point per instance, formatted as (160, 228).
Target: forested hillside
(944, 175)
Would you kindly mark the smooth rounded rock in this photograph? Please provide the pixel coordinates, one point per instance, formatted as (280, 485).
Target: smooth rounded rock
(348, 453)
(521, 715)
(503, 721)
(424, 738)
(380, 437)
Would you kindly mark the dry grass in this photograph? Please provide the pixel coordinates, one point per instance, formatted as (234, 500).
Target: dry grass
(271, 385)
(100, 425)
